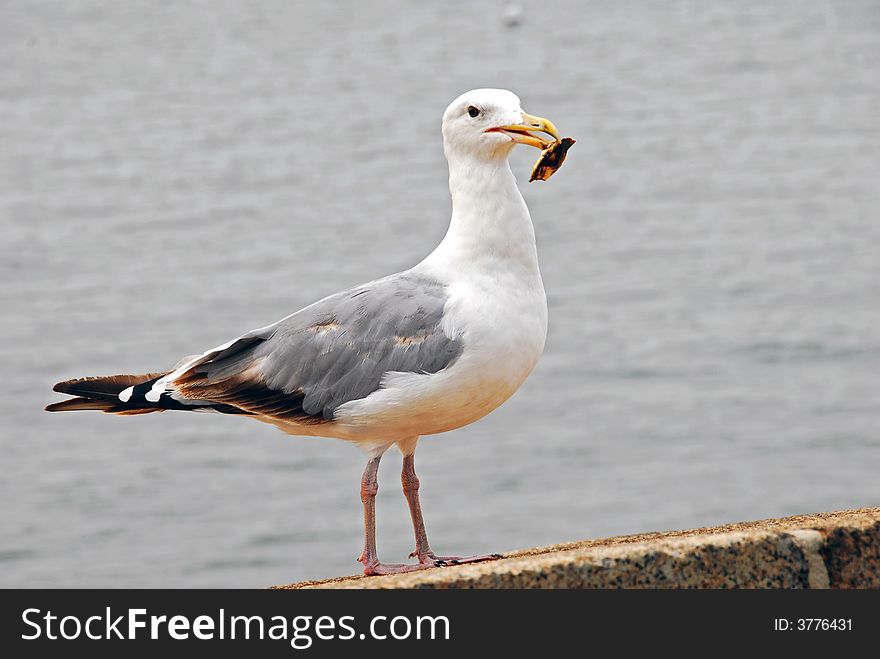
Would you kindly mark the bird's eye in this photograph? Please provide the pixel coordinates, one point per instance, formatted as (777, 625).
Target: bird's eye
(473, 111)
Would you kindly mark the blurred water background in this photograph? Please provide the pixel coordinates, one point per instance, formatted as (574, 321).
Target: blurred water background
(173, 174)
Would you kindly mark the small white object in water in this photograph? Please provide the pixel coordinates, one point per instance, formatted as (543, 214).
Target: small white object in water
(512, 14)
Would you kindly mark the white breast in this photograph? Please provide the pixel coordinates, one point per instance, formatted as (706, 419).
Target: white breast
(502, 324)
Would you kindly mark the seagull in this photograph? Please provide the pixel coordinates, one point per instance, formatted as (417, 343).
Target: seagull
(416, 353)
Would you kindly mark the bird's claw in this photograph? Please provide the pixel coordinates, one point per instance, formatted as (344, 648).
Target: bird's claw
(426, 560)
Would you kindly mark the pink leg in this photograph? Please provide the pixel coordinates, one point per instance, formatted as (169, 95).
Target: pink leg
(427, 558)
(369, 488)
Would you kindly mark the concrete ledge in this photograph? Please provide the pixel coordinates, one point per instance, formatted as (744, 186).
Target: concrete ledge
(825, 550)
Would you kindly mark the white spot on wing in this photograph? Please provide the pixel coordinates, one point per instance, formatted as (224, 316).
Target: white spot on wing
(125, 394)
(183, 365)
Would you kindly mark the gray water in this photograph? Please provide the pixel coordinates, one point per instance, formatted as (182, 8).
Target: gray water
(172, 175)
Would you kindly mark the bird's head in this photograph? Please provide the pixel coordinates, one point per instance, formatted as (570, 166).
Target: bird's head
(488, 123)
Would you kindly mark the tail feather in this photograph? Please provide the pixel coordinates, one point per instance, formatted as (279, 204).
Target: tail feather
(100, 405)
(104, 386)
(102, 394)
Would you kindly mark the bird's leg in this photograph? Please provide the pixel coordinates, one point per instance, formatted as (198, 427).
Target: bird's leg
(423, 551)
(369, 489)
(410, 483)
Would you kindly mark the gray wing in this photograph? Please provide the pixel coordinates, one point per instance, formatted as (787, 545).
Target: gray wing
(335, 351)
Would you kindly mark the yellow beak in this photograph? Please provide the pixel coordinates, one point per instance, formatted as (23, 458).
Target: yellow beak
(522, 133)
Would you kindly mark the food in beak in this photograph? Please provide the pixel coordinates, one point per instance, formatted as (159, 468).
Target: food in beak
(551, 159)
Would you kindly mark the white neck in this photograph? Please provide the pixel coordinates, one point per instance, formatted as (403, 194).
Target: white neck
(490, 220)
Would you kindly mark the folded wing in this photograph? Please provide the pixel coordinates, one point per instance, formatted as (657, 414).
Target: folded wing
(337, 350)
